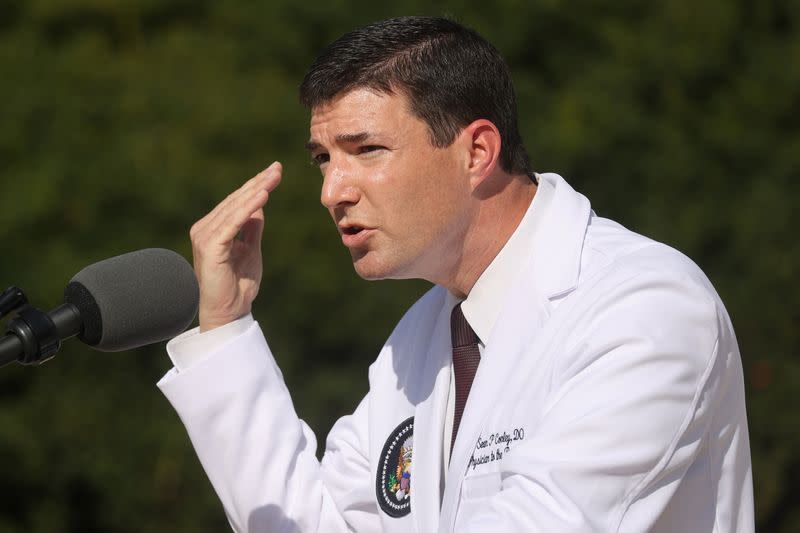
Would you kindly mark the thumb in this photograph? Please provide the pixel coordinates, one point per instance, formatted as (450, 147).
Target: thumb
(253, 229)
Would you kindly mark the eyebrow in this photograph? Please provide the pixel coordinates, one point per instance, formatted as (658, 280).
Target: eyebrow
(342, 138)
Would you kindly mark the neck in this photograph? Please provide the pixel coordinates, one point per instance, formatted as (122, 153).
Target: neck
(501, 202)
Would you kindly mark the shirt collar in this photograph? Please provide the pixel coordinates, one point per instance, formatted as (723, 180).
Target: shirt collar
(484, 302)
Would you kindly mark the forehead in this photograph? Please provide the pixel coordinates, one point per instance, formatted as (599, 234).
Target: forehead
(363, 110)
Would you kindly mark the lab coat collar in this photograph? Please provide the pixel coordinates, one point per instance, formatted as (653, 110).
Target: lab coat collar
(557, 249)
(551, 270)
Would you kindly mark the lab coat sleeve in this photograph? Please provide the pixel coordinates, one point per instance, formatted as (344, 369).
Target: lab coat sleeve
(651, 362)
(259, 456)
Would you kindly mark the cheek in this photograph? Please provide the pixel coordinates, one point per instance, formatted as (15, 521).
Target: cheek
(435, 206)
(420, 195)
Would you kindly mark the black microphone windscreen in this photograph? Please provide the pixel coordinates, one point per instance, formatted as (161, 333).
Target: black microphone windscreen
(134, 299)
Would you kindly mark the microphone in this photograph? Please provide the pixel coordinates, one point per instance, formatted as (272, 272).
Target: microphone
(117, 304)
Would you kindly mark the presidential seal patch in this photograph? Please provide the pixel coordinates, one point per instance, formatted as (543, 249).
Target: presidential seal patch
(393, 480)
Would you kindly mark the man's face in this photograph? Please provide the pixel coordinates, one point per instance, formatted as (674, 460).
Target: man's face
(401, 205)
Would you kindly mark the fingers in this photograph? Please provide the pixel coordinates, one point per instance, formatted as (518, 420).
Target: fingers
(272, 176)
(228, 218)
(266, 180)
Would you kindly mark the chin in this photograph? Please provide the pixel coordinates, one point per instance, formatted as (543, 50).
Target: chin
(372, 268)
(369, 272)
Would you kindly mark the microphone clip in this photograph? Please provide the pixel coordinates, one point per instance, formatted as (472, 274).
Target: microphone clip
(12, 299)
(34, 328)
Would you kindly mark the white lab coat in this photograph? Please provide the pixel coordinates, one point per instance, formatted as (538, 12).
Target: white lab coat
(609, 398)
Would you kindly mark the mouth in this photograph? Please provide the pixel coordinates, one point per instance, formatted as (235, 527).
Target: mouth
(348, 227)
(352, 230)
(354, 235)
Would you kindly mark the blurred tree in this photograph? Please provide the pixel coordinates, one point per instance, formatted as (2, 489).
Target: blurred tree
(124, 121)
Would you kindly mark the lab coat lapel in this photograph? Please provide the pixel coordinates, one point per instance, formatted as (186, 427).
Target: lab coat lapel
(428, 422)
(551, 270)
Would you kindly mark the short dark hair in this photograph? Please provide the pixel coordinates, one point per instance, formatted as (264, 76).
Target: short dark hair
(450, 75)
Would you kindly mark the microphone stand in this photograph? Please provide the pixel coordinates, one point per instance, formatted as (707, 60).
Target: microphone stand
(32, 337)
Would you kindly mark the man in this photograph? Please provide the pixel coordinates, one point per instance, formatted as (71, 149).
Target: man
(563, 375)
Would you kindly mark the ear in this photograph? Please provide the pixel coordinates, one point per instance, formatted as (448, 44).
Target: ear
(482, 141)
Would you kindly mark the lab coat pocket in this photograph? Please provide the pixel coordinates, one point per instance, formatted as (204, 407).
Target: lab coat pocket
(480, 486)
(475, 491)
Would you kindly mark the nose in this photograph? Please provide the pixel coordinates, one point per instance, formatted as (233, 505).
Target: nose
(338, 186)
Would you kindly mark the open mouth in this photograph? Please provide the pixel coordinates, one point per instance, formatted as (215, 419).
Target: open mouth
(352, 230)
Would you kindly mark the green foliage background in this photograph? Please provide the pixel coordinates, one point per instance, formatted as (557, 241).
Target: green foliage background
(122, 122)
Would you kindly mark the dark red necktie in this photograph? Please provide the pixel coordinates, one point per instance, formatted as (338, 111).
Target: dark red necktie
(466, 357)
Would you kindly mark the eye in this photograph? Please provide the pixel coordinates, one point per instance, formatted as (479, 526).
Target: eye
(320, 159)
(370, 148)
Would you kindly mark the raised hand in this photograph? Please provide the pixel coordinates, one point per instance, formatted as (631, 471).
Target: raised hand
(226, 245)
